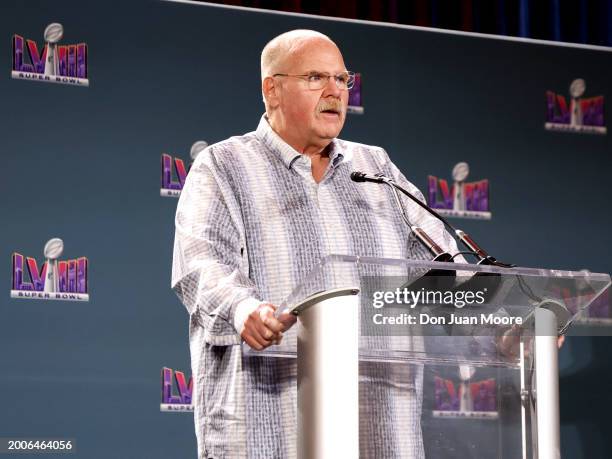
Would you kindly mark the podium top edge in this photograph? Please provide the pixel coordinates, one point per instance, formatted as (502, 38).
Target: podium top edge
(468, 268)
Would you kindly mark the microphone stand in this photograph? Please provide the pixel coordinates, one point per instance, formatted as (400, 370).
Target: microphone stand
(436, 278)
(437, 251)
(483, 257)
(439, 255)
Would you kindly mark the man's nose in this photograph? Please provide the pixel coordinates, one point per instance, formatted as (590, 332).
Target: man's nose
(331, 88)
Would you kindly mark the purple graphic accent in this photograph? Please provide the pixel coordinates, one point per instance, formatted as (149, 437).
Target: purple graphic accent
(445, 395)
(477, 196)
(62, 52)
(433, 185)
(38, 62)
(18, 282)
(37, 278)
(600, 307)
(179, 166)
(483, 394)
(441, 197)
(72, 61)
(167, 396)
(82, 264)
(166, 173)
(62, 267)
(556, 109)
(573, 298)
(17, 53)
(355, 92)
(72, 275)
(81, 60)
(185, 390)
(593, 111)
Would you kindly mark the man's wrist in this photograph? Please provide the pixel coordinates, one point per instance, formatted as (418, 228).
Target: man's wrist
(243, 310)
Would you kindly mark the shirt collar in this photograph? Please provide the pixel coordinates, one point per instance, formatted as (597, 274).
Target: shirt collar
(286, 152)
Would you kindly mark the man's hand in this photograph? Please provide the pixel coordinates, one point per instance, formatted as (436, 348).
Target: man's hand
(261, 329)
(560, 341)
(508, 343)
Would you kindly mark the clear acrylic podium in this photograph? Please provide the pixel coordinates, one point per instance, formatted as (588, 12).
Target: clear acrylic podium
(483, 366)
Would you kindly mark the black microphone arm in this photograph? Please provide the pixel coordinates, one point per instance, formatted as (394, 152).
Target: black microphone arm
(466, 240)
(437, 251)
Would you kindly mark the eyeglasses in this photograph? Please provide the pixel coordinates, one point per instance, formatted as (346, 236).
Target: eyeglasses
(318, 80)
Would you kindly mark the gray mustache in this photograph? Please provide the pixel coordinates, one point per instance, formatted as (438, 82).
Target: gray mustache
(335, 105)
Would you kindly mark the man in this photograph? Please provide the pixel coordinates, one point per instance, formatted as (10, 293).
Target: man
(255, 216)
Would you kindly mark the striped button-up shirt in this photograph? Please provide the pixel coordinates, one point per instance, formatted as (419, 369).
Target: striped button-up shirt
(251, 223)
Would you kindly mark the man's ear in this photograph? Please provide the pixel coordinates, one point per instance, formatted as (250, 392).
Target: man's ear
(271, 92)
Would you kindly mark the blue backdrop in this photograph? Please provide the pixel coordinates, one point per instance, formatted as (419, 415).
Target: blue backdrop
(83, 164)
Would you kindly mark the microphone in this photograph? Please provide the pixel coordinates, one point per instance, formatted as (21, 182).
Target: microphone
(435, 278)
(483, 257)
(437, 251)
(357, 176)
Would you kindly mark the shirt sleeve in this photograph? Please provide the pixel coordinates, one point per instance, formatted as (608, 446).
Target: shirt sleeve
(210, 265)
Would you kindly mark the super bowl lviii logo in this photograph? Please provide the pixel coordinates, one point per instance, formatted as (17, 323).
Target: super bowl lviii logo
(55, 280)
(463, 199)
(172, 168)
(182, 400)
(65, 64)
(465, 398)
(355, 102)
(582, 114)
